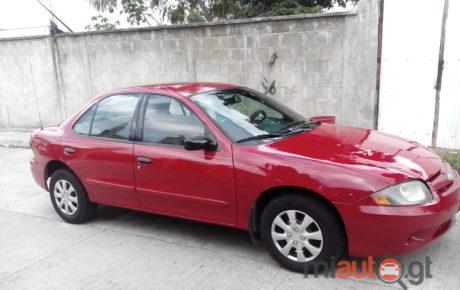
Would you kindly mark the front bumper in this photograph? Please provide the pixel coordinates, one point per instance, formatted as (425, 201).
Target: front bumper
(378, 231)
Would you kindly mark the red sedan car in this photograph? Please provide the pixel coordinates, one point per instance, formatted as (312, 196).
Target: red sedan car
(228, 155)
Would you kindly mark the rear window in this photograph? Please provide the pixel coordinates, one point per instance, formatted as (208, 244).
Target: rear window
(83, 125)
(114, 116)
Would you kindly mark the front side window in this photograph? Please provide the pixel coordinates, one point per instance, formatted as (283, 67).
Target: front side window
(168, 121)
(114, 116)
(83, 125)
(242, 113)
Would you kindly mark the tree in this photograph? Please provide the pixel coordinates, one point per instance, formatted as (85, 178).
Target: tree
(136, 11)
(192, 11)
(100, 22)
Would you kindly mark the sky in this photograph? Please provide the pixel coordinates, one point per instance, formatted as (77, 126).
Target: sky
(28, 13)
(15, 15)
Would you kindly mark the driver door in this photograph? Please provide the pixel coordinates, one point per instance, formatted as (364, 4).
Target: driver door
(195, 184)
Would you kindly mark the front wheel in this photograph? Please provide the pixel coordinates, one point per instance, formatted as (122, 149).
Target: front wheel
(301, 231)
(69, 198)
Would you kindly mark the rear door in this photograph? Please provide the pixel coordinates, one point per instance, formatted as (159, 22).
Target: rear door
(195, 184)
(98, 149)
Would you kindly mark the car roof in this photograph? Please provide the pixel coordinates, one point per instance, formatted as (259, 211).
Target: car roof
(184, 89)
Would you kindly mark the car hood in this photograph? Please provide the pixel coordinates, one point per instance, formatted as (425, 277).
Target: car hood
(371, 152)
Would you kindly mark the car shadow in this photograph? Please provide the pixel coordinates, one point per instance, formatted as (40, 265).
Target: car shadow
(202, 235)
(176, 230)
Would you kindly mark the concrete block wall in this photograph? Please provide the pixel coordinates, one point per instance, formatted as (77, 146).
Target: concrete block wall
(319, 64)
(27, 74)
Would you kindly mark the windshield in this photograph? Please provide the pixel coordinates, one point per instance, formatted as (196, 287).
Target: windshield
(243, 113)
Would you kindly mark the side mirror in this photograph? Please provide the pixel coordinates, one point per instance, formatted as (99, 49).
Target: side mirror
(323, 119)
(199, 142)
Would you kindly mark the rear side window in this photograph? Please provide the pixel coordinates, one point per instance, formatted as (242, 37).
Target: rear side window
(168, 121)
(83, 125)
(114, 116)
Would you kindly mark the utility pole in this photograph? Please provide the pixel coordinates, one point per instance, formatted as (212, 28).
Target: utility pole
(434, 136)
(54, 15)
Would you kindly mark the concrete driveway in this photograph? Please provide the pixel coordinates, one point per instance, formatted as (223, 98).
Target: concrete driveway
(124, 249)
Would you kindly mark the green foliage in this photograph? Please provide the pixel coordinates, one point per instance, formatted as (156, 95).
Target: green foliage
(103, 5)
(279, 8)
(100, 22)
(135, 11)
(291, 7)
(451, 156)
(195, 17)
(195, 11)
(177, 13)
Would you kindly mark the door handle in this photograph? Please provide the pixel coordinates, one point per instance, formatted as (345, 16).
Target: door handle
(144, 160)
(69, 151)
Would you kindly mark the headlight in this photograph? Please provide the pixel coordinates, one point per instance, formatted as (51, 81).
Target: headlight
(406, 193)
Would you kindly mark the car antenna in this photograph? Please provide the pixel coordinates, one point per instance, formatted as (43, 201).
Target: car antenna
(36, 98)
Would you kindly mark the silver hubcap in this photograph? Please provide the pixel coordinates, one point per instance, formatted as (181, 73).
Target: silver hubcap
(297, 236)
(65, 197)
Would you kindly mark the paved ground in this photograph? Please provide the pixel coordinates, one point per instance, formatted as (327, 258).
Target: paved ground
(15, 138)
(124, 249)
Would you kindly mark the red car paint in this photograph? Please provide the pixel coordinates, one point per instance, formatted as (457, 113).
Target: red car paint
(343, 165)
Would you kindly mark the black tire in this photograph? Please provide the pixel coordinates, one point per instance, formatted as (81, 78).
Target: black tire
(334, 239)
(85, 209)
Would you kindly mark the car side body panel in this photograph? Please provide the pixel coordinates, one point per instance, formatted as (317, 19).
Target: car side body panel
(45, 144)
(259, 169)
(195, 184)
(104, 166)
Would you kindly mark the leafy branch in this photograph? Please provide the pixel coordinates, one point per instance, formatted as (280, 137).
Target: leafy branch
(159, 12)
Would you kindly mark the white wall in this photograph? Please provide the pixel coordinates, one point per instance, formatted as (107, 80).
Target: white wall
(411, 35)
(410, 54)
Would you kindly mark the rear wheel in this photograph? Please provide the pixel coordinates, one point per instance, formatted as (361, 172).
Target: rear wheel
(69, 198)
(301, 231)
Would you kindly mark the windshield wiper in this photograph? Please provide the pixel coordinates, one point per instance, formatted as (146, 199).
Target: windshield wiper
(291, 129)
(290, 125)
(297, 125)
(259, 137)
